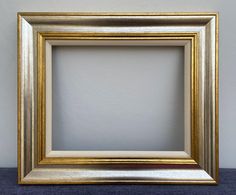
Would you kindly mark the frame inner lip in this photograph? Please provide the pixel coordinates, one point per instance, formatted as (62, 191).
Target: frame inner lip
(172, 37)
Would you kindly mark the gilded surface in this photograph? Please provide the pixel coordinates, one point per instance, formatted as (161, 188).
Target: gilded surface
(36, 28)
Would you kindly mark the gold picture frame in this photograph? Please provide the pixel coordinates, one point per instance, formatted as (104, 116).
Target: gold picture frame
(39, 164)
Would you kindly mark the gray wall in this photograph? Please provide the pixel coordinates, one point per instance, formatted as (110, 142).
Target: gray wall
(117, 97)
(8, 9)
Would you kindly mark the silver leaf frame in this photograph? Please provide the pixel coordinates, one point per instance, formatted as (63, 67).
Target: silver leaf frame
(197, 32)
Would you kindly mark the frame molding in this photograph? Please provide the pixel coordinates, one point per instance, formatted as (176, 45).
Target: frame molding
(198, 164)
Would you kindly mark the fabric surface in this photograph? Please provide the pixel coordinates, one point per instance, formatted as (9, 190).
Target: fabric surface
(8, 185)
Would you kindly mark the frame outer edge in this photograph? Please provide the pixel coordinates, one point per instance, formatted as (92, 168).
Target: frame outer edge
(217, 98)
(19, 97)
(21, 180)
(117, 13)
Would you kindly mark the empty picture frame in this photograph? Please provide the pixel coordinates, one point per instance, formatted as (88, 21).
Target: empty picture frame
(196, 32)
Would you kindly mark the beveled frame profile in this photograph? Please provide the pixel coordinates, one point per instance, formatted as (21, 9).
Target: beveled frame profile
(39, 164)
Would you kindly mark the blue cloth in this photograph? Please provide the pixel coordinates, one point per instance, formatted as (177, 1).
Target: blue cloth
(8, 186)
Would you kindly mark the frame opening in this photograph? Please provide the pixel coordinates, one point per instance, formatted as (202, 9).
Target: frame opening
(110, 97)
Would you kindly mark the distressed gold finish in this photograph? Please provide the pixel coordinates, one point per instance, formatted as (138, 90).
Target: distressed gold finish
(41, 104)
(198, 164)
